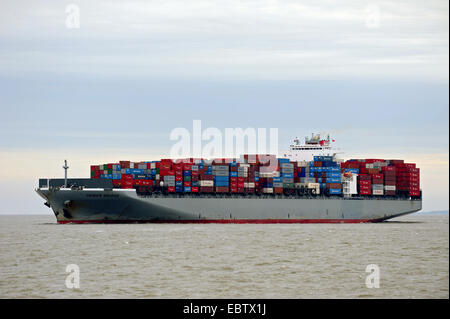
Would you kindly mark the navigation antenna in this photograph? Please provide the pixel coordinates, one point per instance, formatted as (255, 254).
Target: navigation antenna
(65, 173)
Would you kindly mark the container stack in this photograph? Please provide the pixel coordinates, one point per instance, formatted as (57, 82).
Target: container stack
(389, 180)
(287, 171)
(364, 184)
(206, 179)
(408, 179)
(385, 177)
(327, 173)
(377, 184)
(263, 174)
(221, 178)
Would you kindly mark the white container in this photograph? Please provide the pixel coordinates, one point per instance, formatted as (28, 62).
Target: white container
(207, 183)
(267, 190)
(377, 192)
(389, 188)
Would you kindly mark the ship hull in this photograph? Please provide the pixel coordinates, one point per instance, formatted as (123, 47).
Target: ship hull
(125, 206)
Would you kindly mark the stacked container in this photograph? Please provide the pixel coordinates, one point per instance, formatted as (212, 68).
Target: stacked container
(408, 179)
(389, 179)
(263, 174)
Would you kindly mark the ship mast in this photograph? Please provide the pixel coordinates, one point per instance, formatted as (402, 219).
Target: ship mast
(65, 173)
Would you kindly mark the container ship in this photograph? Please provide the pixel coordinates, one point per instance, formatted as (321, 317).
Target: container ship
(308, 184)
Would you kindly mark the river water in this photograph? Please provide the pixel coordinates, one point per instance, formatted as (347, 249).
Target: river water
(224, 260)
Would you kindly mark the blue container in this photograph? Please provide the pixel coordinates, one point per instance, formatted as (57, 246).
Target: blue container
(186, 173)
(222, 184)
(283, 160)
(335, 191)
(178, 183)
(221, 178)
(267, 185)
(334, 175)
(287, 175)
(187, 189)
(256, 178)
(195, 184)
(233, 174)
(352, 170)
(117, 176)
(333, 180)
(277, 180)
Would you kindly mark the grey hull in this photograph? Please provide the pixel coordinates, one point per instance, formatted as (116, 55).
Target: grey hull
(97, 205)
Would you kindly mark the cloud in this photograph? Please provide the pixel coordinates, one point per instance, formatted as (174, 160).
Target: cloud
(203, 38)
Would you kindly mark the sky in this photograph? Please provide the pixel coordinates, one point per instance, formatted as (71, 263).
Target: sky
(114, 83)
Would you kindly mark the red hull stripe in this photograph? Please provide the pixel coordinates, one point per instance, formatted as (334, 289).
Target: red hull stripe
(224, 221)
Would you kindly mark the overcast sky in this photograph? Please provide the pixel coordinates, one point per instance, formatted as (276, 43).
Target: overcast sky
(374, 74)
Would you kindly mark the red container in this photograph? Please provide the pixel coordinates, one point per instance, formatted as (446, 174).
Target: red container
(187, 184)
(127, 177)
(117, 182)
(206, 189)
(194, 189)
(178, 178)
(127, 184)
(171, 189)
(124, 164)
(204, 177)
(222, 189)
(164, 172)
(278, 190)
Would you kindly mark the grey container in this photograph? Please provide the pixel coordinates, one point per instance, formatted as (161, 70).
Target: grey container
(220, 168)
(277, 184)
(220, 173)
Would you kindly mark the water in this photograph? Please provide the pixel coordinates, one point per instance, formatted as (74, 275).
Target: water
(224, 261)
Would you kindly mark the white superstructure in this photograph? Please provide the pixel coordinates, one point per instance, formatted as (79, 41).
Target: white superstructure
(313, 146)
